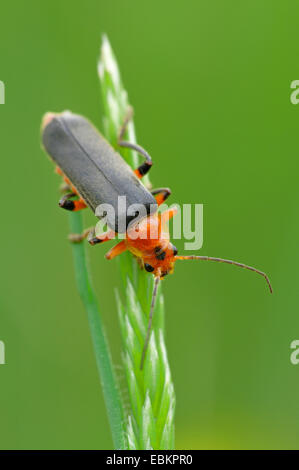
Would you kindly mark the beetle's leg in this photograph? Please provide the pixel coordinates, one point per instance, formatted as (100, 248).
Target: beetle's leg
(140, 261)
(58, 171)
(145, 166)
(143, 169)
(89, 233)
(65, 188)
(168, 214)
(161, 194)
(116, 250)
(127, 119)
(79, 237)
(70, 205)
(105, 237)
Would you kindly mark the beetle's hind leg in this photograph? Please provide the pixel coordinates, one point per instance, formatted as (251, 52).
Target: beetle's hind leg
(147, 164)
(72, 205)
(65, 188)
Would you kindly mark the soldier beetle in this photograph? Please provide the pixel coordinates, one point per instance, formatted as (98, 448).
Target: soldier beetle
(95, 173)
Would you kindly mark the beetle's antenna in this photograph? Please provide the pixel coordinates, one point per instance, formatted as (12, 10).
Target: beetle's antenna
(228, 261)
(150, 320)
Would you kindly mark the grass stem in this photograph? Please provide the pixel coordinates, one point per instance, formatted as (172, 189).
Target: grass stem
(99, 340)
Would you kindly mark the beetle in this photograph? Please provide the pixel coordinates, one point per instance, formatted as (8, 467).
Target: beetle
(95, 174)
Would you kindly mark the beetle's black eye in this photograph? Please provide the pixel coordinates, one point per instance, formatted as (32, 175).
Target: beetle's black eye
(160, 254)
(175, 250)
(148, 268)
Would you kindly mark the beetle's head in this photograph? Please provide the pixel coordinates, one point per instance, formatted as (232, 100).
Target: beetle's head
(161, 262)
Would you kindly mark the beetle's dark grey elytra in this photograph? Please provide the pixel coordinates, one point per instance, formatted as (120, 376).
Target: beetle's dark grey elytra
(95, 169)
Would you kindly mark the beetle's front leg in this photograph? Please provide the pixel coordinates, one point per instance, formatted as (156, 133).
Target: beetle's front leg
(104, 237)
(168, 214)
(116, 250)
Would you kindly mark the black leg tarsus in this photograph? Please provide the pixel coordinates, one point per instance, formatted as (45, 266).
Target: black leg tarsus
(162, 193)
(145, 167)
(92, 239)
(66, 203)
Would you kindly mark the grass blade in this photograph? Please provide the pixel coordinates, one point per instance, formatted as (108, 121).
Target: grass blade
(100, 343)
(150, 417)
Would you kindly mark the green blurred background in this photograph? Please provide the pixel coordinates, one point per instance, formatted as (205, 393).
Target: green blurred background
(210, 83)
